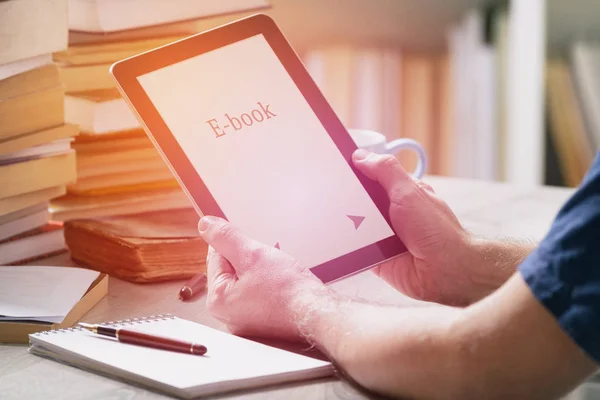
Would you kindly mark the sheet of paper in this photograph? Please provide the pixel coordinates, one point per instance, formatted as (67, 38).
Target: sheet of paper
(41, 293)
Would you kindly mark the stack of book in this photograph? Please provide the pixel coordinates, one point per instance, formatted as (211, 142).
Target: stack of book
(36, 159)
(119, 171)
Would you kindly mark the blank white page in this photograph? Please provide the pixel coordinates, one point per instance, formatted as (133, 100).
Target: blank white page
(42, 293)
(230, 363)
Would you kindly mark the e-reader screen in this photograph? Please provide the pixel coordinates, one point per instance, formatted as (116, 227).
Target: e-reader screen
(263, 154)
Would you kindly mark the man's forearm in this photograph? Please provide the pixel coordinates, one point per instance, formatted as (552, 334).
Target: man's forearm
(506, 346)
(402, 352)
(491, 263)
(512, 347)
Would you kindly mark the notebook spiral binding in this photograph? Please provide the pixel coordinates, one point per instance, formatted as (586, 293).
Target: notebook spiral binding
(119, 323)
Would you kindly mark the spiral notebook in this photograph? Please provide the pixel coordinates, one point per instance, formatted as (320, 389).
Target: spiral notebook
(231, 363)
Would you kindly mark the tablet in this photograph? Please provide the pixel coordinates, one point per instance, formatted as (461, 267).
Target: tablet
(251, 139)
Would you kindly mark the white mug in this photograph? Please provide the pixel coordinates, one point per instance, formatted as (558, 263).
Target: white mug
(375, 142)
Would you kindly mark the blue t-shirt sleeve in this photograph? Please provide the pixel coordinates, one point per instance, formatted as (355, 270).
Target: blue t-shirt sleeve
(564, 271)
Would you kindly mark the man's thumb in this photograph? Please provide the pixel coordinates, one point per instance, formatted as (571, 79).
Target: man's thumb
(383, 168)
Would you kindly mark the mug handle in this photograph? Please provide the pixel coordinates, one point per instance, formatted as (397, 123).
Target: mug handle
(395, 146)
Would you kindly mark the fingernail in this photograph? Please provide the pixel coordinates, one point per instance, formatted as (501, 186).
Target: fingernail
(205, 222)
(360, 154)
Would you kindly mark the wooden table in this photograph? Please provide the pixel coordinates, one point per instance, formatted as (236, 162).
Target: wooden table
(490, 209)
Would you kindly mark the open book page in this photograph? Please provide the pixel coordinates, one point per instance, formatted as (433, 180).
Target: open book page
(41, 293)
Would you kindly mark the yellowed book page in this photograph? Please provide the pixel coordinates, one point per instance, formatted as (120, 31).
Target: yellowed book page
(14, 203)
(103, 53)
(37, 138)
(32, 112)
(85, 78)
(138, 166)
(72, 201)
(29, 176)
(28, 82)
(139, 203)
(97, 189)
(90, 160)
(107, 146)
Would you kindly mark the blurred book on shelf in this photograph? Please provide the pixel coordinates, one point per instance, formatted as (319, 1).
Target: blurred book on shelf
(383, 89)
(70, 206)
(473, 99)
(573, 112)
(119, 170)
(148, 247)
(585, 72)
(36, 158)
(569, 136)
(418, 108)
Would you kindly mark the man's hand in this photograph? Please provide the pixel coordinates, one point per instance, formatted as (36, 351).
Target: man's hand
(505, 346)
(444, 263)
(502, 347)
(255, 289)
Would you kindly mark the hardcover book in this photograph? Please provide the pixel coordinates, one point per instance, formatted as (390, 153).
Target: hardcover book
(146, 247)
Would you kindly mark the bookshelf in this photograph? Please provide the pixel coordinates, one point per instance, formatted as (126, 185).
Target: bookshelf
(514, 116)
(427, 30)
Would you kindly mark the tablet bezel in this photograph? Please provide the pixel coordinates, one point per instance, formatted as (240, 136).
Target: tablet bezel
(127, 71)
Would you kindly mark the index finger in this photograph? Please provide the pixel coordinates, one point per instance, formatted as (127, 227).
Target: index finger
(218, 269)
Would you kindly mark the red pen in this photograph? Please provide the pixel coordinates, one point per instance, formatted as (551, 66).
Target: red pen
(193, 286)
(144, 339)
